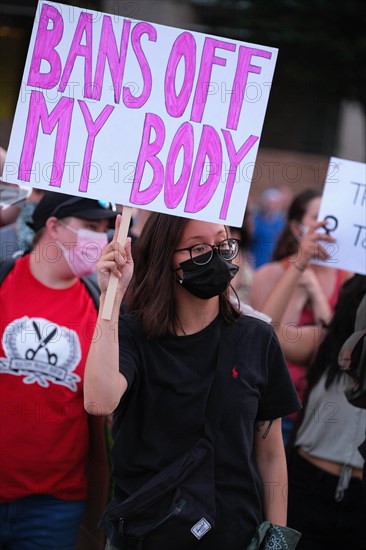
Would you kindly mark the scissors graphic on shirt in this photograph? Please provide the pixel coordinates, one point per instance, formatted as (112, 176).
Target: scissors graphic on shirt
(31, 353)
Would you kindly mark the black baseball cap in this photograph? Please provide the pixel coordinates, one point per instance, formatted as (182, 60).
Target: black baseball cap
(62, 206)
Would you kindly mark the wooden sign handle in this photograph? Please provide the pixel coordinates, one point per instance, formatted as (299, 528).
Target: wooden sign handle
(113, 280)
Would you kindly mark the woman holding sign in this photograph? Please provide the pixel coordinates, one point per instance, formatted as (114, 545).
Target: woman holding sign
(316, 293)
(217, 445)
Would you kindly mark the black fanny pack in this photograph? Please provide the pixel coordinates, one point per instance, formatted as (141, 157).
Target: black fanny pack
(176, 507)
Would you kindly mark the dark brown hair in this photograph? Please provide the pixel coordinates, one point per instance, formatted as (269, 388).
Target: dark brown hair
(339, 329)
(152, 289)
(287, 245)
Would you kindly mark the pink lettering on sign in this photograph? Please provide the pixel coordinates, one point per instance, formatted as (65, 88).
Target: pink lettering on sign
(136, 102)
(199, 195)
(84, 26)
(235, 158)
(148, 154)
(116, 60)
(44, 49)
(243, 68)
(60, 116)
(183, 139)
(208, 59)
(93, 128)
(183, 48)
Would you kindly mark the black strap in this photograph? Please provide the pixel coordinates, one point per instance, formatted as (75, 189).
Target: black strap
(93, 289)
(218, 394)
(5, 267)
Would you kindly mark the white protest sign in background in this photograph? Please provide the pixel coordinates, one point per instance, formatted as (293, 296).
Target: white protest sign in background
(139, 114)
(344, 204)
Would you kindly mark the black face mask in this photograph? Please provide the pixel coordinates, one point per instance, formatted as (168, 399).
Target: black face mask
(206, 281)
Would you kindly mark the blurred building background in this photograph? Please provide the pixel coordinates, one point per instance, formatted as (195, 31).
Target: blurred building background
(317, 103)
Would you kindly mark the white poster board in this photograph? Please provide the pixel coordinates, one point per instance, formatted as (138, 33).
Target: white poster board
(344, 204)
(139, 114)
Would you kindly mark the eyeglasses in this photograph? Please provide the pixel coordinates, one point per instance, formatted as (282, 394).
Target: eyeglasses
(202, 253)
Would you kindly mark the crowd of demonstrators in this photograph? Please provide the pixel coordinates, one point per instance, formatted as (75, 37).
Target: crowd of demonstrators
(316, 294)
(48, 442)
(156, 377)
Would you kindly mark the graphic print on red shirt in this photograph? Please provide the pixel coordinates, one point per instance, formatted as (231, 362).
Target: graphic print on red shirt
(41, 351)
(45, 339)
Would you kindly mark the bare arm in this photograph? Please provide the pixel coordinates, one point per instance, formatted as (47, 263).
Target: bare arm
(284, 306)
(322, 311)
(276, 302)
(278, 299)
(271, 462)
(104, 385)
(300, 344)
(264, 280)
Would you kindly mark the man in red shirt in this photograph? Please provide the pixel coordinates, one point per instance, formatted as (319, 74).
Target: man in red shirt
(47, 322)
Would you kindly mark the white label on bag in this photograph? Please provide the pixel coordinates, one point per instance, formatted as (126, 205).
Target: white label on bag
(201, 528)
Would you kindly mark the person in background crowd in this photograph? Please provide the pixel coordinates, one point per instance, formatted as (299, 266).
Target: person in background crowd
(352, 361)
(299, 344)
(47, 441)
(157, 374)
(326, 497)
(316, 294)
(268, 221)
(287, 196)
(326, 502)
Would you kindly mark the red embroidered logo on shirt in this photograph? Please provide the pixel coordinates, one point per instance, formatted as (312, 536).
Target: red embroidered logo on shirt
(234, 373)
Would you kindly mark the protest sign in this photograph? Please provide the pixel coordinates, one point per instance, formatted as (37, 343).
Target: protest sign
(139, 114)
(343, 205)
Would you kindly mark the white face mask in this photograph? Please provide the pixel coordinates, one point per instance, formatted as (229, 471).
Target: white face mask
(83, 255)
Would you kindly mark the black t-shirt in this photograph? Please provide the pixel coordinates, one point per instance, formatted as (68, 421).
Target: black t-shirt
(162, 414)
